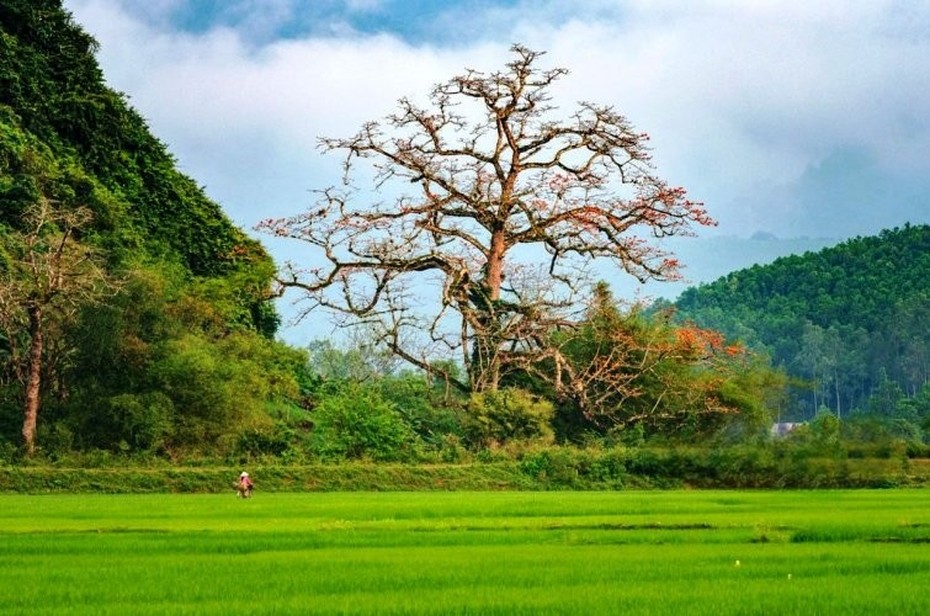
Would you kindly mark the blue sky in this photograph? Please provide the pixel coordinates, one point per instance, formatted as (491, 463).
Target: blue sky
(416, 21)
(787, 117)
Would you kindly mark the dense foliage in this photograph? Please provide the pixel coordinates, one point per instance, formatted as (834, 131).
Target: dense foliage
(849, 323)
(645, 375)
(53, 98)
(173, 350)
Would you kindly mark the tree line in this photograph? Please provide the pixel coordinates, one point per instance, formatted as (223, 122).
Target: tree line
(124, 290)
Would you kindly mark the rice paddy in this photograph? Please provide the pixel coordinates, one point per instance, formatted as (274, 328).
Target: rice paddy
(675, 552)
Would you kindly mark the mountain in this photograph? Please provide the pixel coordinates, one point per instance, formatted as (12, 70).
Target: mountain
(62, 125)
(844, 319)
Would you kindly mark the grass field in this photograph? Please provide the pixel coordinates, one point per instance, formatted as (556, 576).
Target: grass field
(675, 552)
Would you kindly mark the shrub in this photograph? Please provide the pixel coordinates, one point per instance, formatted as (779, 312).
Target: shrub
(56, 438)
(556, 465)
(356, 422)
(505, 415)
(431, 418)
(141, 421)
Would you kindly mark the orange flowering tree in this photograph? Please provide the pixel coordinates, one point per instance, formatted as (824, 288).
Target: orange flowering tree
(624, 367)
(482, 216)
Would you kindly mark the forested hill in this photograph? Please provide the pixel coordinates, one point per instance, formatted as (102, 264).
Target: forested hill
(65, 133)
(846, 318)
(133, 314)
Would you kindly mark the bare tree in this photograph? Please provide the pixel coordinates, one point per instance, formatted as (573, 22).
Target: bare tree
(511, 208)
(47, 274)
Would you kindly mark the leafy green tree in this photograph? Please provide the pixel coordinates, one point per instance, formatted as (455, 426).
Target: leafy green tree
(159, 345)
(825, 430)
(920, 403)
(508, 415)
(887, 399)
(68, 140)
(758, 392)
(357, 362)
(835, 318)
(425, 406)
(137, 422)
(355, 422)
(907, 329)
(920, 407)
(813, 362)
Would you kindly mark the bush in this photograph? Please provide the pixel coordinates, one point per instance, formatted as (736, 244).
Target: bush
(556, 465)
(431, 419)
(55, 438)
(356, 422)
(506, 415)
(9, 452)
(141, 421)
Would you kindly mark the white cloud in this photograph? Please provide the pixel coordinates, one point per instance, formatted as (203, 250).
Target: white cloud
(773, 85)
(743, 100)
(739, 96)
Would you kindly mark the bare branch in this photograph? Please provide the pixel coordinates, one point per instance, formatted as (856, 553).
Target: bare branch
(497, 183)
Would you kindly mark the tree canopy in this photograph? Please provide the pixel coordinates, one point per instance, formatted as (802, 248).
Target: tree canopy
(510, 208)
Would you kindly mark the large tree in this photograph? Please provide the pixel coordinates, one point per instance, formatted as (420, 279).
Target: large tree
(510, 208)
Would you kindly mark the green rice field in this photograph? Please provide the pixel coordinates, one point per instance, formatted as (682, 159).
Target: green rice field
(669, 552)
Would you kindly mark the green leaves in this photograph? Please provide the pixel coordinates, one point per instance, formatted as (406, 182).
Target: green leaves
(164, 362)
(358, 422)
(506, 415)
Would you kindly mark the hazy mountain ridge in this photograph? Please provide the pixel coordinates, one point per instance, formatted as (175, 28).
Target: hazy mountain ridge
(706, 259)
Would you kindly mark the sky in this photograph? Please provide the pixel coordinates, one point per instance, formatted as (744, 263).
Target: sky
(787, 119)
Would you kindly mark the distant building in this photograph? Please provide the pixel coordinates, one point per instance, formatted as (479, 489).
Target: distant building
(783, 428)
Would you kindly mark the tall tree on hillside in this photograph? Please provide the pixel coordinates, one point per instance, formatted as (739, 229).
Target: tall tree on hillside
(46, 274)
(510, 208)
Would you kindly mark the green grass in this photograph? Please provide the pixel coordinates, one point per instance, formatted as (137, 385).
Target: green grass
(805, 552)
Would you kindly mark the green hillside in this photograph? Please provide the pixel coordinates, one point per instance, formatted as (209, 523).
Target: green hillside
(60, 119)
(850, 320)
(118, 272)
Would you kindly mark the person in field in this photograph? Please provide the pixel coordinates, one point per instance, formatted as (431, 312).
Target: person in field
(244, 486)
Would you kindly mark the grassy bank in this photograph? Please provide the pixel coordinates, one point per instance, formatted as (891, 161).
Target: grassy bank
(269, 478)
(540, 469)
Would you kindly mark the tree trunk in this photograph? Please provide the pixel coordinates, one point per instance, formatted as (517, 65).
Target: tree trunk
(496, 265)
(489, 363)
(34, 379)
(836, 389)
